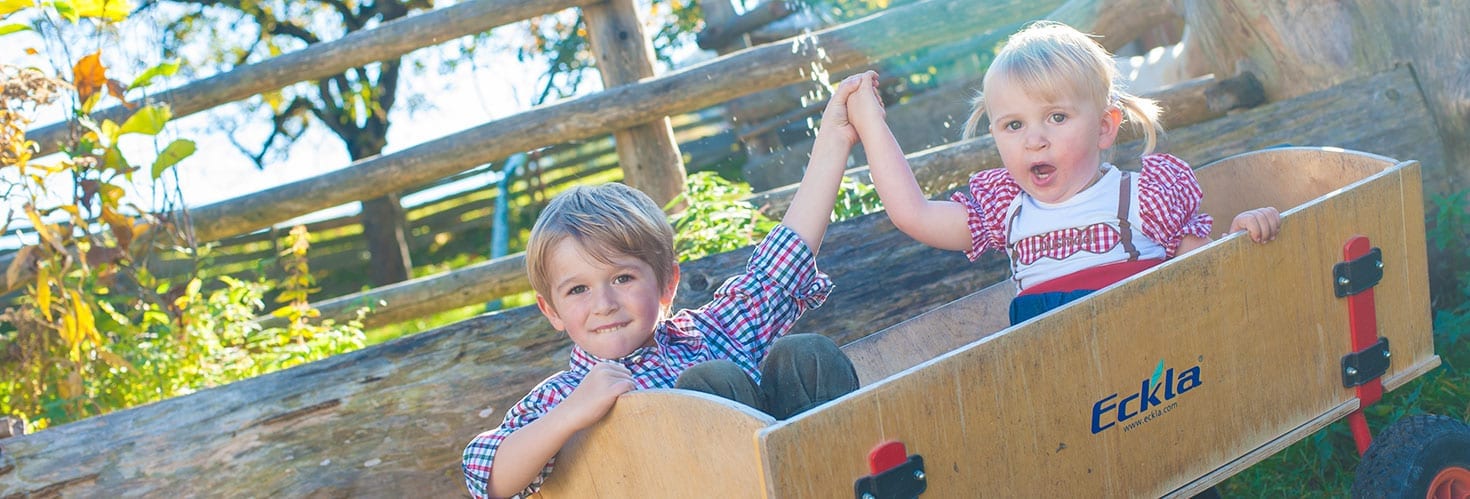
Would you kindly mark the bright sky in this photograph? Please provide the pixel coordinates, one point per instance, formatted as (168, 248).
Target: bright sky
(495, 85)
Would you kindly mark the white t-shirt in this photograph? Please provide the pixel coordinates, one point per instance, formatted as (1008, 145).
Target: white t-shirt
(1047, 240)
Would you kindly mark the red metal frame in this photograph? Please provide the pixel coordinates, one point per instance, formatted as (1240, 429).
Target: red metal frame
(1363, 325)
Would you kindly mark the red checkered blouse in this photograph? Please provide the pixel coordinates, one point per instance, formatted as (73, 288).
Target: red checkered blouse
(1168, 199)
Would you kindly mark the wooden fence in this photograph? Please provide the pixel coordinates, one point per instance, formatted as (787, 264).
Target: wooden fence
(241, 225)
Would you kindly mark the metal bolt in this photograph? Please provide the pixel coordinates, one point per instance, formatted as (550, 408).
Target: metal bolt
(1380, 264)
(1343, 281)
(1352, 371)
(1386, 354)
(867, 495)
(919, 475)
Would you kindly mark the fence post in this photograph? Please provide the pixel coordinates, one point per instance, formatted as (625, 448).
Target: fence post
(647, 153)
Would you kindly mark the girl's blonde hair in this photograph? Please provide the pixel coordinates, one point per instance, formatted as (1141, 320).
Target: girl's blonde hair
(607, 221)
(1050, 60)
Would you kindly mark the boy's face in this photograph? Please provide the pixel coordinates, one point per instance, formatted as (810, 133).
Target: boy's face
(608, 310)
(1053, 148)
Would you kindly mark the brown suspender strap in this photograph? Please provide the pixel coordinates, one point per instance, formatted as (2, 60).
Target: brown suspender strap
(1125, 229)
(1010, 228)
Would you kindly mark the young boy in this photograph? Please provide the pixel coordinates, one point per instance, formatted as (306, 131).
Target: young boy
(602, 263)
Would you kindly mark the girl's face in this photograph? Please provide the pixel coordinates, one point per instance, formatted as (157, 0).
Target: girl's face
(609, 310)
(1052, 147)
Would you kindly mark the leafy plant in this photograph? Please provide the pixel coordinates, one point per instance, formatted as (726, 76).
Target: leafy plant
(718, 219)
(93, 330)
(855, 199)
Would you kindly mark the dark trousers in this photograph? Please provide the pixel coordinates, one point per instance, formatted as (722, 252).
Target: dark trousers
(801, 371)
(1027, 306)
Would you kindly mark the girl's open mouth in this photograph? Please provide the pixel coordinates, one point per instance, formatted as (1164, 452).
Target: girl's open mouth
(1042, 171)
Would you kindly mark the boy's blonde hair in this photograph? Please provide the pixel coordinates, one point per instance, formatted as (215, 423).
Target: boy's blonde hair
(1050, 59)
(606, 220)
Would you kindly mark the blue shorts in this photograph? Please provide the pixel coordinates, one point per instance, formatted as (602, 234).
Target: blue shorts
(1027, 306)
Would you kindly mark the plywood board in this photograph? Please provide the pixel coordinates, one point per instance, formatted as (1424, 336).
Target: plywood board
(675, 442)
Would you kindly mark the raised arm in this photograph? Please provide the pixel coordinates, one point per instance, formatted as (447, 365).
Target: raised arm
(938, 223)
(811, 206)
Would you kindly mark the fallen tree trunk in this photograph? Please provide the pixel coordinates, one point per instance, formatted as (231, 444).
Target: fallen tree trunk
(392, 420)
(1301, 46)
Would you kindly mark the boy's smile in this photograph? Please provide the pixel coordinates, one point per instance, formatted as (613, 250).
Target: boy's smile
(608, 308)
(1052, 147)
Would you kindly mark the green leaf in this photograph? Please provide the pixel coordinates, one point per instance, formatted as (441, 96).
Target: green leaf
(171, 155)
(164, 69)
(6, 29)
(65, 9)
(114, 159)
(147, 121)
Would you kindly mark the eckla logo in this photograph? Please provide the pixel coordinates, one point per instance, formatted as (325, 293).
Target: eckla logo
(1150, 400)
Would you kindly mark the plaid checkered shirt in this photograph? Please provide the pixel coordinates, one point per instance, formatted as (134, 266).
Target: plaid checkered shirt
(748, 313)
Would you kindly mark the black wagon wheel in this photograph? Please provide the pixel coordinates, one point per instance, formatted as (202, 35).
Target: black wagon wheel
(1419, 456)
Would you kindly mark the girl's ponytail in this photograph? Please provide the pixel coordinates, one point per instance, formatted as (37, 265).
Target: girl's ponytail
(972, 125)
(1143, 114)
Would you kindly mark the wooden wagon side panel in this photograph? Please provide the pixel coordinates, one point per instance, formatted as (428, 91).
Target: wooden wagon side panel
(1144, 388)
(704, 446)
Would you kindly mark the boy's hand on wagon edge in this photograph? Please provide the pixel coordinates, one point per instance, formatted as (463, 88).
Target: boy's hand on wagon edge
(594, 397)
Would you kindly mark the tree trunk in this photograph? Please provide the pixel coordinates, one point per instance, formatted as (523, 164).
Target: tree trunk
(1299, 46)
(384, 226)
(648, 153)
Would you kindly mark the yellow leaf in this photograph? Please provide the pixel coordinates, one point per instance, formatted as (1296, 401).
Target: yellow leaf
(69, 332)
(111, 193)
(121, 225)
(110, 131)
(42, 229)
(8, 7)
(43, 291)
(141, 228)
(111, 10)
(89, 75)
(86, 323)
